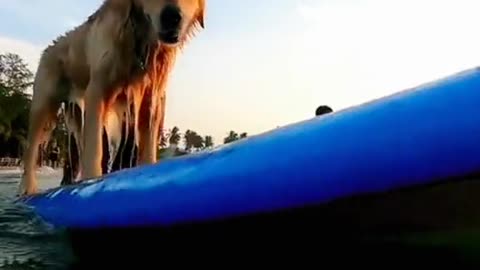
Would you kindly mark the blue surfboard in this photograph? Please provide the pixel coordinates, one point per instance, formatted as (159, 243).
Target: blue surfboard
(418, 136)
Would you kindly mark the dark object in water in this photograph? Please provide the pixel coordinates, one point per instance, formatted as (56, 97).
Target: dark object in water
(323, 109)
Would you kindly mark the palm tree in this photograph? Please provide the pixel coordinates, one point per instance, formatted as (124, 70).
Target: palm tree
(193, 140)
(198, 141)
(232, 136)
(208, 141)
(189, 138)
(174, 137)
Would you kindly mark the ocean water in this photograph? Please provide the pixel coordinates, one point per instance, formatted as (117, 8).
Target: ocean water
(25, 241)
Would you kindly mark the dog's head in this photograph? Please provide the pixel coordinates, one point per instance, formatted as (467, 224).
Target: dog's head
(173, 20)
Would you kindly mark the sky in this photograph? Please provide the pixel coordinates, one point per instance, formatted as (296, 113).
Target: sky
(260, 64)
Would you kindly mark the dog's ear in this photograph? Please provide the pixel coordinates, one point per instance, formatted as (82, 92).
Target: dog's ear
(201, 13)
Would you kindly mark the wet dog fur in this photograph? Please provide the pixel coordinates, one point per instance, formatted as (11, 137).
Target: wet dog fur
(113, 66)
(126, 157)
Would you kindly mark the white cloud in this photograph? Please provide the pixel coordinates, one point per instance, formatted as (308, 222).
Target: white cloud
(28, 51)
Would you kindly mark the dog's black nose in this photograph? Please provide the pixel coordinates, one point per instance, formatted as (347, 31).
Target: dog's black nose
(170, 18)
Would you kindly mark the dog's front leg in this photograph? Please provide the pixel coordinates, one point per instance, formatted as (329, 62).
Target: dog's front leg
(92, 136)
(149, 133)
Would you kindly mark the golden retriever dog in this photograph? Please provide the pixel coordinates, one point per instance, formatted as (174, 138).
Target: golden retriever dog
(114, 65)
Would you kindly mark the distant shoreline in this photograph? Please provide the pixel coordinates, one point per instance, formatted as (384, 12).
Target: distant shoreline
(19, 169)
(6, 168)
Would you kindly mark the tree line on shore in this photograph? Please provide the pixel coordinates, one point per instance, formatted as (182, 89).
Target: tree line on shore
(16, 79)
(192, 141)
